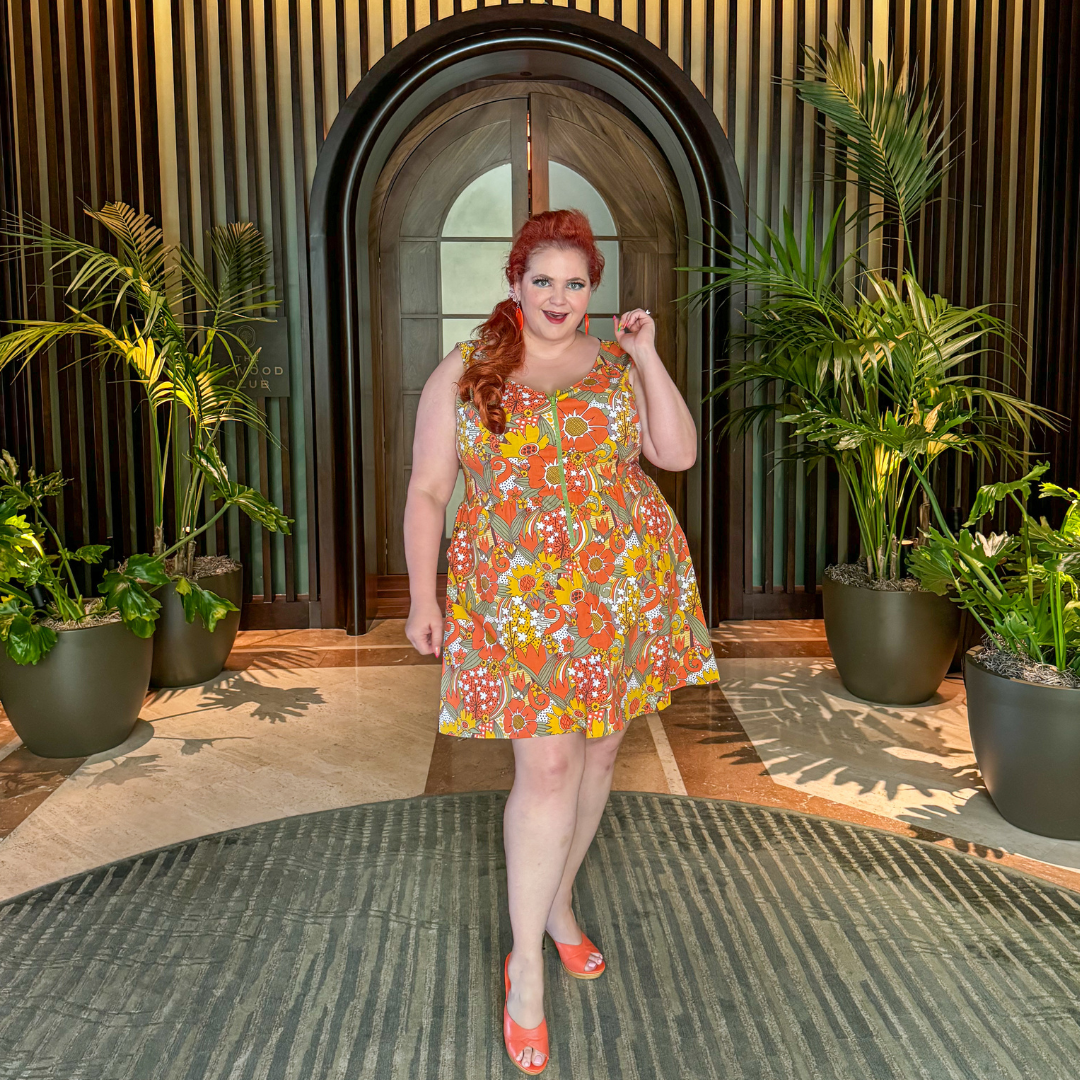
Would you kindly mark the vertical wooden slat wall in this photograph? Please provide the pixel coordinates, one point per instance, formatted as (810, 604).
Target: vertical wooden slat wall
(1056, 300)
(206, 111)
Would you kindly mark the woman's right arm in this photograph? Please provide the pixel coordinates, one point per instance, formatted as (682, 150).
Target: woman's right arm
(434, 473)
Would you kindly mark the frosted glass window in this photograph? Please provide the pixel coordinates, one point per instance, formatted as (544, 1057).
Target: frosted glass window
(569, 190)
(455, 330)
(473, 275)
(605, 298)
(484, 208)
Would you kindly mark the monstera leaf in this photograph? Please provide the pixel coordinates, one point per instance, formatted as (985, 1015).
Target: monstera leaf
(247, 499)
(199, 601)
(989, 495)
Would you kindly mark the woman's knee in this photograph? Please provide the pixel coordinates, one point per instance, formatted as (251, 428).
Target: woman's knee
(551, 769)
(600, 754)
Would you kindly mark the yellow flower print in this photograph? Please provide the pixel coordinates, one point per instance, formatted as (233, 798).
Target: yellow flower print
(634, 703)
(571, 588)
(596, 725)
(548, 563)
(634, 561)
(524, 581)
(521, 443)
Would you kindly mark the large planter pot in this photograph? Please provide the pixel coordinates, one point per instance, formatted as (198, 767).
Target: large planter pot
(83, 696)
(1026, 739)
(892, 648)
(186, 653)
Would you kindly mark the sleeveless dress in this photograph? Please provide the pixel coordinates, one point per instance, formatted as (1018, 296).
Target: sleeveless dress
(571, 601)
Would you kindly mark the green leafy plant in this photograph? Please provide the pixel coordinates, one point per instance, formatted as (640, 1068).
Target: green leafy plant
(882, 385)
(126, 305)
(37, 583)
(1022, 589)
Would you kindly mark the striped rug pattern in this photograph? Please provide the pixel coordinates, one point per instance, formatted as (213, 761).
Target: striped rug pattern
(367, 942)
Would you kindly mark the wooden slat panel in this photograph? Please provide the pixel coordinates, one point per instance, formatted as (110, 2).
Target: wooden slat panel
(81, 99)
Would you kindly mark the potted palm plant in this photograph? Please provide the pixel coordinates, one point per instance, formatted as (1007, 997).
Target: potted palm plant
(1023, 682)
(191, 375)
(73, 670)
(879, 385)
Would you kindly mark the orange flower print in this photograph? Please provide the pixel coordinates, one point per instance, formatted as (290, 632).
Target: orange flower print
(594, 621)
(583, 426)
(519, 720)
(487, 582)
(543, 473)
(597, 562)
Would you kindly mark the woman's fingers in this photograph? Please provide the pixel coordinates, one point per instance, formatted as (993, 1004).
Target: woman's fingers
(633, 319)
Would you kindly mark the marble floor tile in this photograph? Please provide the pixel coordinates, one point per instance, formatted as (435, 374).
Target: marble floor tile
(249, 746)
(914, 765)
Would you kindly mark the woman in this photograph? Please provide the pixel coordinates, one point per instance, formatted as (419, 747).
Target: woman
(571, 602)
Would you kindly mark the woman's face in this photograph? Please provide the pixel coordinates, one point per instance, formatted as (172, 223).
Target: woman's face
(556, 283)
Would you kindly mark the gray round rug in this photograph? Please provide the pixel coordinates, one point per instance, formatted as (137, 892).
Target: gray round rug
(367, 942)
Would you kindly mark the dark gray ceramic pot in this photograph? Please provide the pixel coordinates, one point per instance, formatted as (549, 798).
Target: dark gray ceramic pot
(892, 648)
(83, 696)
(1026, 739)
(186, 653)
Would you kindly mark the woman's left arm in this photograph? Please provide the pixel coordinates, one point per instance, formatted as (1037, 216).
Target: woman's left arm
(668, 435)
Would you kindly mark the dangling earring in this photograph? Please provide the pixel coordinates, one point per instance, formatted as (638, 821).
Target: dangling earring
(586, 322)
(519, 317)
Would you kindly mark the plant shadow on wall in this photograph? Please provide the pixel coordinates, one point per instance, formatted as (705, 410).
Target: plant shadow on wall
(887, 386)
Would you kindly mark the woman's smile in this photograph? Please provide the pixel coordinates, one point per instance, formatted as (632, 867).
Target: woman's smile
(556, 317)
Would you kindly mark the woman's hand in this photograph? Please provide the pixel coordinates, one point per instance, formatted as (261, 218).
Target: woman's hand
(635, 332)
(424, 627)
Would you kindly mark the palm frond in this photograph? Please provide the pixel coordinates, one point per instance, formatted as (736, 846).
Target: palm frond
(882, 127)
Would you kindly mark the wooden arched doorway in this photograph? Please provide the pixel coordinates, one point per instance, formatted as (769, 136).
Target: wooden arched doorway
(444, 211)
(429, 69)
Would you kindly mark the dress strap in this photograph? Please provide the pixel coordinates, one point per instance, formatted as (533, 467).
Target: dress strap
(467, 348)
(617, 356)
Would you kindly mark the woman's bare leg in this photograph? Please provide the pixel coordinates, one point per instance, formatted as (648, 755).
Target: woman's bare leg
(538, 826)
(592, 797)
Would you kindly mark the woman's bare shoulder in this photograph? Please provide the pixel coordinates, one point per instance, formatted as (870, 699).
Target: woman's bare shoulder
(450, 368)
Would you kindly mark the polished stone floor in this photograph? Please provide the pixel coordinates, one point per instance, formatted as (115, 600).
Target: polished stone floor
(313, 719)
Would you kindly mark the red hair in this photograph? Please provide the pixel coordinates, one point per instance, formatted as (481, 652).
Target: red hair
(502, 345)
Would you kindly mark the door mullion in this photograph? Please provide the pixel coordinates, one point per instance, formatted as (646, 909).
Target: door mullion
(538, 138)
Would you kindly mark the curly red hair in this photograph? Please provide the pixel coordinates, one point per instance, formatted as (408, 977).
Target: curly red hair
(502, 345)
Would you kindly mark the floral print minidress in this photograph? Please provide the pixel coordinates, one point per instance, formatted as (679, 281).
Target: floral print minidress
(571, 600)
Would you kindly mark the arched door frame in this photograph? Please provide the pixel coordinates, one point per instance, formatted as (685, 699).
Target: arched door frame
(545, 43)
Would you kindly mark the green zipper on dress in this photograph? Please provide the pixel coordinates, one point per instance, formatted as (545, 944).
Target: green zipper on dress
(570, 530)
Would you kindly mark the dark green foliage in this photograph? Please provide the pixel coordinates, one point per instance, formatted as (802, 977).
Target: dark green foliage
(1022, 589)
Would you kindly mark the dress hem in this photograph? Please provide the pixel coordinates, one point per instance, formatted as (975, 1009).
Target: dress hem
(656, 709)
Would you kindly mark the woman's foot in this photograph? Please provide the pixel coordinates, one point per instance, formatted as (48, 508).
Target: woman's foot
(563, 927)
(525, 1002)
